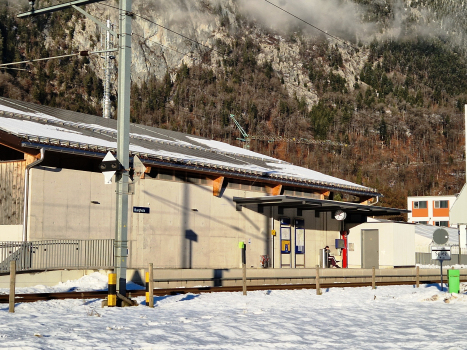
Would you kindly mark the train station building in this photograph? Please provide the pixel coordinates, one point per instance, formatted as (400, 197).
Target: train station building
(197, 199)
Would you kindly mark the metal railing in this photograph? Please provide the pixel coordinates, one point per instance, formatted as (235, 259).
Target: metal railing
(423, 256)
(57, 254)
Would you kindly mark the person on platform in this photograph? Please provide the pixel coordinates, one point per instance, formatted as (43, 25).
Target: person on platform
(331, 259)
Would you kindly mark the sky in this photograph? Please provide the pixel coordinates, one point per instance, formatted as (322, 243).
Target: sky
(391, 317)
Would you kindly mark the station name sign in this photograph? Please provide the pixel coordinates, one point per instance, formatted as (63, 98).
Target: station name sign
(141, 210)
(441, 253)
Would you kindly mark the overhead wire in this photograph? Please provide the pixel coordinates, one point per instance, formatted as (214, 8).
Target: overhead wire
(311, 25)
(210, 48)
(81, 53)
(165, 47)
(168, 29)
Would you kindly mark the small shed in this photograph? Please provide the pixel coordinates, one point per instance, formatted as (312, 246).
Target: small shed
(382, 244)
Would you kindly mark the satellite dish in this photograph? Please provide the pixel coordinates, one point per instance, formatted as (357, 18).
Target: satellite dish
(440, 236)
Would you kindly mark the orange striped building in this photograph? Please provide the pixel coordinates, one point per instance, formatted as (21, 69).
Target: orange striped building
(430, 210)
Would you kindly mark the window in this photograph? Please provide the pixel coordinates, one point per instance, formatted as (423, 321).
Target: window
(422, 222)
(419, 205)
(442, 223)
(441, 204)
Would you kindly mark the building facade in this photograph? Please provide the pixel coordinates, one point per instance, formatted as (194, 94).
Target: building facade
(430, 210)
(197, 199)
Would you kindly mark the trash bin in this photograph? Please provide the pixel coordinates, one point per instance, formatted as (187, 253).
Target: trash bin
(323, 258)
(454, 281)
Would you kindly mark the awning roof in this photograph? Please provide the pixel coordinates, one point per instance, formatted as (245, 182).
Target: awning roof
(319, 205)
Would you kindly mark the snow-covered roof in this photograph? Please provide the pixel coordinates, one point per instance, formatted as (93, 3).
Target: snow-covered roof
(41, 126)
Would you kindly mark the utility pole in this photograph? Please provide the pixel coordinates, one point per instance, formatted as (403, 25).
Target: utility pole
(106, 102)
(123, 124)
(123, 141)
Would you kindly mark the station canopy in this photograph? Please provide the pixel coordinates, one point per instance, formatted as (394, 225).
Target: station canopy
(354, 211)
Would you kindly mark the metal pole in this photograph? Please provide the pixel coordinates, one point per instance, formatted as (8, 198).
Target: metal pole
(244, 268)
(123, 127)
(459, 241)
(441, 263)
(106, 106)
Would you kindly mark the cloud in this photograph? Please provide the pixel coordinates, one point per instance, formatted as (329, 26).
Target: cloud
(337, 17)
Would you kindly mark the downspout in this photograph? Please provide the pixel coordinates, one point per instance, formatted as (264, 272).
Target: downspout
(26, 193)
(377, 200)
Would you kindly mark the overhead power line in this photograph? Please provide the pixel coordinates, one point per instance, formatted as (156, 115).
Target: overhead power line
(311, 25)
(168, 29)
(81, 53)
(165, 47)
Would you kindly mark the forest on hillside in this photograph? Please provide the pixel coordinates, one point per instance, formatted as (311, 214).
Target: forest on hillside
(398, 128)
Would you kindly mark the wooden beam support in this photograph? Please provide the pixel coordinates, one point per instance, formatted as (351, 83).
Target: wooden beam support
(217, 186)
(31, 158)
(14, 142)
(364, 199)
(147, 170)
(274, 191)
(323, 194)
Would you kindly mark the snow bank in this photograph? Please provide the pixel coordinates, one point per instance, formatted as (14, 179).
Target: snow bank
(391, 317)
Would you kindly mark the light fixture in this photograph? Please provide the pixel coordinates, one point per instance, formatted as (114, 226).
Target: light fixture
(31, 2)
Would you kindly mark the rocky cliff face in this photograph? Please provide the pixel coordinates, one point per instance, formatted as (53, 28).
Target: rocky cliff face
(388, 80)
(161, 30)
(158, 50)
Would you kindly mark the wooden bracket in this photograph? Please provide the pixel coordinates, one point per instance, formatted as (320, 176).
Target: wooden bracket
(274, 191)
(147, 170)
(217, 186)
(323, 194)
(364, 199)
(17, 147)
(31, 158)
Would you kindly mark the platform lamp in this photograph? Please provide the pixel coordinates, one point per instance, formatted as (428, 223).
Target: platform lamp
(31, 2)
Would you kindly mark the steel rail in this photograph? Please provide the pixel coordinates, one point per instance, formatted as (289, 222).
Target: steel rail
(214, 279)
(27, 298)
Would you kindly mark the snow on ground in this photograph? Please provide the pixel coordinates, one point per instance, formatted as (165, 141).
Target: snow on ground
(446, 266)
(391, 317)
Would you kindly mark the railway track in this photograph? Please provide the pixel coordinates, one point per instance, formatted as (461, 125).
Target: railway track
(28, 298)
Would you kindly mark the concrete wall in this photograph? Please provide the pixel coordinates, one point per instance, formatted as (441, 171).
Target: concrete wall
(10, 233)
(61, 205)
(187, 227)
(396, 244)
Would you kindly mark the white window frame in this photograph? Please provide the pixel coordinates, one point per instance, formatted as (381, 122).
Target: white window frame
(438, 204)
(416, 204)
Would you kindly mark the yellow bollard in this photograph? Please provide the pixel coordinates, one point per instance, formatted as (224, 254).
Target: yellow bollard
(147, 288)
(112, 296)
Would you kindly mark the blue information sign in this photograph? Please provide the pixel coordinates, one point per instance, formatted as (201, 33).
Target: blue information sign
(143, 210)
